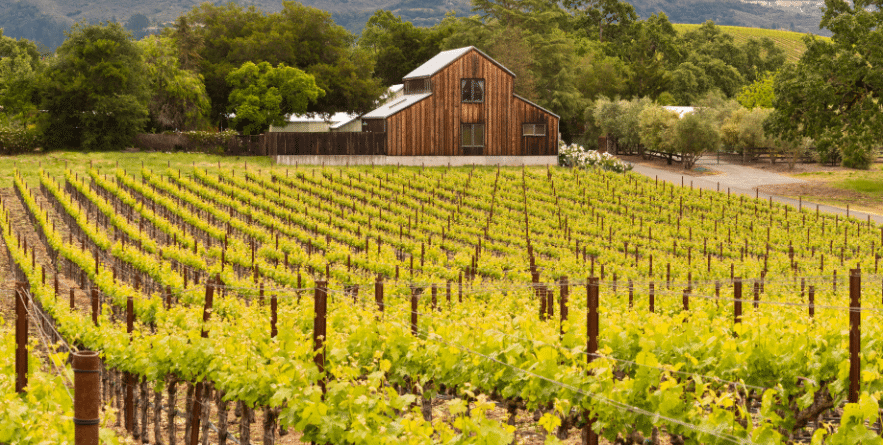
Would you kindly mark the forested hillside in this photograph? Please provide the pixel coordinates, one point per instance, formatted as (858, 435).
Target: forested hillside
(45, 21)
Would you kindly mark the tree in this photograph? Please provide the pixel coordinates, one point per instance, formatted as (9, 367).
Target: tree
(95, 91)
(263, 95)
(760, 93)
(833, 93)
(20, 67)
(298, 36)
(608, 19)
(694, 134)
(655, 127)
(398, 47)
(178, 97)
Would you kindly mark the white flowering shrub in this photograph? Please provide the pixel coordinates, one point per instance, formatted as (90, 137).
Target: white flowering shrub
(577, 156)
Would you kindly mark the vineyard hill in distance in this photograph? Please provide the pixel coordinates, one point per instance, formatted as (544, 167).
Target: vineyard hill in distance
(790, 41)
(357, 305)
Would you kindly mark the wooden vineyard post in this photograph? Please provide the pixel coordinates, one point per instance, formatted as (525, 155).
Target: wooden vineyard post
(73, 304)
(320, 307)
(811, 292)
(87, 396)
(563, 303)
(273, 316)
(652, 305)
(434, 295)
(21, 339)
(199, 393)
(737, 300)
(590, 437)
(95, 306)
(55, 286)
(855, 321)
(378, 293)
(460, 290)
(631, 294)
(686, 299)
(129, 378)
(414, 311)
(756, 294)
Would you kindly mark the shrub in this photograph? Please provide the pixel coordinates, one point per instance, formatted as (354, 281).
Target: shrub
(18, 139)
(574, 155)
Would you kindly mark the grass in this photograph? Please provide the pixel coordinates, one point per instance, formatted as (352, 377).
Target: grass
(55, 162)
(790, 41)
(861, 189)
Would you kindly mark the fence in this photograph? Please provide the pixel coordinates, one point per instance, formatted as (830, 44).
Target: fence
(172, 142)
(343, 143)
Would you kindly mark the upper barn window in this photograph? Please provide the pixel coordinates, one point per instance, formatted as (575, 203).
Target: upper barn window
(472, 90)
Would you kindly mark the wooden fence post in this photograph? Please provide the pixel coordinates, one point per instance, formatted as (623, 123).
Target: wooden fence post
(590, 437)
(737, 300)
(199, 393)
(95, 306)
(413, 310)
(563, 303)
(87, 396)
(21, 339)
(129, 378)
(320, 308)
(855, 321)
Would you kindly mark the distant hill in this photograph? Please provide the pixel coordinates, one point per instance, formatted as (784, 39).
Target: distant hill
(791, 42)
(46, 21)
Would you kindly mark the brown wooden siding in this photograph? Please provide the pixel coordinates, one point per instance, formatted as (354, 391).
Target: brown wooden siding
(527, 113)
(374, 125)
(431, 127)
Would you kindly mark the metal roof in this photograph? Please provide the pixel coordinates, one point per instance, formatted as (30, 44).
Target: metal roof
(446, 58)
(394, 106)
(680, 110)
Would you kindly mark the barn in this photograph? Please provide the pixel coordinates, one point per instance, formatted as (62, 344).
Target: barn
(458, 108)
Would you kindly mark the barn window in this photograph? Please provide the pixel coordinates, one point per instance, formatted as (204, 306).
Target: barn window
(472, 135)
(472, 90)
(418, 86)
(533, 129)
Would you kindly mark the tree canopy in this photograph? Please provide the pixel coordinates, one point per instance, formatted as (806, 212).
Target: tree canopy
(832, 95)
(95, 91)
(263, 95)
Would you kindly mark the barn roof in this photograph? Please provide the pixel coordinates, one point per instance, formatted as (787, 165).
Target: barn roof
(445, 58)
(394, 106)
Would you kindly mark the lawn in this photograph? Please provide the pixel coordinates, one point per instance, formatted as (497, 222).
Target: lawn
(861, 189)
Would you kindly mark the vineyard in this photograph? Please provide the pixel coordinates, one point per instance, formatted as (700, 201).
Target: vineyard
(790, 41)
(406, 305)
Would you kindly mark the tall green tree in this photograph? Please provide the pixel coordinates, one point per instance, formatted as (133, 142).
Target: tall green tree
(263, 95)
(298, 36)
(95, 91)
(833, 94)
(605, 19)
(20, 67)
(398, 47)
(178, 99)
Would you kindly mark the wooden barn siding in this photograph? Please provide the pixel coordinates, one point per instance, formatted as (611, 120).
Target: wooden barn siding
(526, 112)
(450, 112)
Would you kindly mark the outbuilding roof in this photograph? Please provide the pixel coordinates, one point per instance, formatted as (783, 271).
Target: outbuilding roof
(394, 106)
(444, 59)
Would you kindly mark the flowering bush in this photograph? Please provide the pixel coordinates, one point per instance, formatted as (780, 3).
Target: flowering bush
(574, 155)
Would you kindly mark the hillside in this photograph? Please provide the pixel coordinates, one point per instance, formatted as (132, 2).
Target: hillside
(790, 41)
(46, 21)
